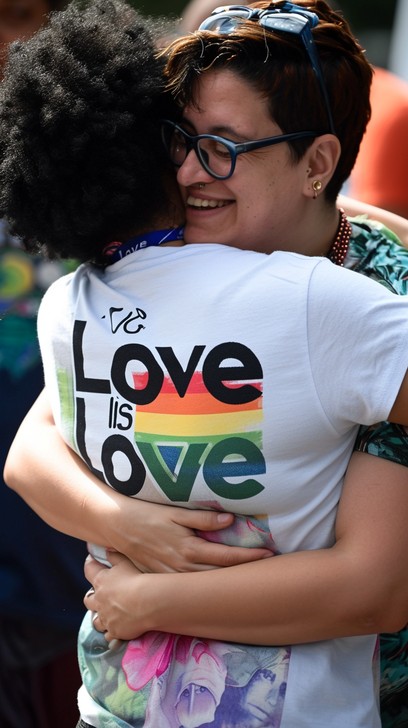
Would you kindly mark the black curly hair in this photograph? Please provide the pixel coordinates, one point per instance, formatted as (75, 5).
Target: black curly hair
(81, 162)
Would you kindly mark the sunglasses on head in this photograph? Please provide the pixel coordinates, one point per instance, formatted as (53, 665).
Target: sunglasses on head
(288, 18)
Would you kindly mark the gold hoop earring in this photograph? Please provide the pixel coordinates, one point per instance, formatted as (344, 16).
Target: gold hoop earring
(316, 186)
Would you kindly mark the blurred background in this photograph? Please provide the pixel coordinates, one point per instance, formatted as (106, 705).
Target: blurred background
(380, 25)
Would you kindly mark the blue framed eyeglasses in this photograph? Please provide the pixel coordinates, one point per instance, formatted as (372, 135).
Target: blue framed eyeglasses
(216, 154)
(288, 18)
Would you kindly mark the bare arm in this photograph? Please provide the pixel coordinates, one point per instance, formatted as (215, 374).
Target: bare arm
(57, 484)
(359, 586)
(313, 595)
(396, 223)
(399, 411)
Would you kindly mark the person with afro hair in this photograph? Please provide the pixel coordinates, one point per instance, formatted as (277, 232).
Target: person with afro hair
(41, 572)
(90, 110)
(166, 368)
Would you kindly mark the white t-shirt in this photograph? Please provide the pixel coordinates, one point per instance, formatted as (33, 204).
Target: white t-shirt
(204, 376)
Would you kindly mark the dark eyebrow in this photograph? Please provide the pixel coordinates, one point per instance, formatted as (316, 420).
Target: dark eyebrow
(189, 126)
(223, 131)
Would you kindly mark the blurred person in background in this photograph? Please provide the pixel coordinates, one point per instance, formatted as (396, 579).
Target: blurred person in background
(41, 574)
(380, 175)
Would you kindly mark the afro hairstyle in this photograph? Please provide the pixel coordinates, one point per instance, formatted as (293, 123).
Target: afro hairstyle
(81, 161)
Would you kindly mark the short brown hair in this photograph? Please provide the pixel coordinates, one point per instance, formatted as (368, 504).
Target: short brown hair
(277, 66)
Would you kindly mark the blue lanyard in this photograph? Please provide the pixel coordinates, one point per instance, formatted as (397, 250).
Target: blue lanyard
(115, 251)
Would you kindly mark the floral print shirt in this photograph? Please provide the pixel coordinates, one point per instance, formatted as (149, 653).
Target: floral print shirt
(377, 253)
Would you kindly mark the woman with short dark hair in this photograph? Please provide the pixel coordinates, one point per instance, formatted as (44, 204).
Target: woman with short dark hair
(209, 377)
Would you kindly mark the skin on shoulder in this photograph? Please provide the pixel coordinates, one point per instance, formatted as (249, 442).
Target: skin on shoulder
(396, 223)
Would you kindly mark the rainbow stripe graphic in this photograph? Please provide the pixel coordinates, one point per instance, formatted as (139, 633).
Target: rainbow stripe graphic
(176, 437)
(196, 416)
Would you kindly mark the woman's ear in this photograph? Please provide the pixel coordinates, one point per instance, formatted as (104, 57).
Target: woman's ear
(321, 161)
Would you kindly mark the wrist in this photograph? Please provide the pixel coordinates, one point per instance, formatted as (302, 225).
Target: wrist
(129, 526)
(161, 610)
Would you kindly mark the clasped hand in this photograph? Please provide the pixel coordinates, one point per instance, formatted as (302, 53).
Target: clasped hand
(113, 597)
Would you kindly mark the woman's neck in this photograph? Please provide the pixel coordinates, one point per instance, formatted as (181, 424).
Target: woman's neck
(317, 230)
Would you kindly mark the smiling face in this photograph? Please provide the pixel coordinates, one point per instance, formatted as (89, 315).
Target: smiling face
(262, 205)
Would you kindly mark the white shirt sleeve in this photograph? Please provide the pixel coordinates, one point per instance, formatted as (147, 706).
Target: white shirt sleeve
(358, 338)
